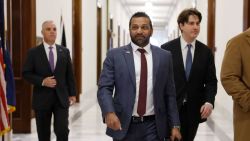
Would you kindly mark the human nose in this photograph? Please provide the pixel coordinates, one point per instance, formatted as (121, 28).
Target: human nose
(139, 30)
(196, 26)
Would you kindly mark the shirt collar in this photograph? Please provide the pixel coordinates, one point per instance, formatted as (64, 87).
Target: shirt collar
(184, 43)
(46, 46)
(135, 47)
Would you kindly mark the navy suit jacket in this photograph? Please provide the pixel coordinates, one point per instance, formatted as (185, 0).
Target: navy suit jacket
(117, 89)
(202, 84)
(36, 68)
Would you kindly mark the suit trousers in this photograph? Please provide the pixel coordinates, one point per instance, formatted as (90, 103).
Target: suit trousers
(43, 121)
(145, 131)
(188, 129)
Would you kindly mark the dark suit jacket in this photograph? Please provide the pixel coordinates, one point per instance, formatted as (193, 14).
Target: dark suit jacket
(119, 73)
(202, 84)
(36, 68)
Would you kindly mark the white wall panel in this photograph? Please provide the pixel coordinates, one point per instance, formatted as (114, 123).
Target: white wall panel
(229, 22)
(53, 10)
(89, 42)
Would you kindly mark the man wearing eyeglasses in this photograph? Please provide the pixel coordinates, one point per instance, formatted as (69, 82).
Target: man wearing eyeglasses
(136, 88)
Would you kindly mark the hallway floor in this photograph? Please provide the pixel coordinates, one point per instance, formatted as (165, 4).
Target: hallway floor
(86, 122)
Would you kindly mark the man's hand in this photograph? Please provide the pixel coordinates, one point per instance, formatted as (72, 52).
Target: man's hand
(72, 100)
(112, 121)
(206, 110)
(175, 134)
(49, 82)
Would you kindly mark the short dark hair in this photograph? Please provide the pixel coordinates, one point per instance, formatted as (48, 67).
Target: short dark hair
(141, 14)
(184, 15)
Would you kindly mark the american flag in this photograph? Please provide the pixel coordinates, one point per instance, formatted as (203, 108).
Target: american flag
(4, 119)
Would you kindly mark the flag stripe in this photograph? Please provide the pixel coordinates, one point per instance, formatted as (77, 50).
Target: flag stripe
(5, 126)
(5, 71)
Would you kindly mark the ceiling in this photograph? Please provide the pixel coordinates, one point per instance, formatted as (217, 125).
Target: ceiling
(160, 11)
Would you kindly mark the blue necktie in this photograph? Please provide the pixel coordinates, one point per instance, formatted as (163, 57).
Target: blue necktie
(188, 61)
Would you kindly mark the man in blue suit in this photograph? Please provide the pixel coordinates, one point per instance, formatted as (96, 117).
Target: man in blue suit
(136, 88)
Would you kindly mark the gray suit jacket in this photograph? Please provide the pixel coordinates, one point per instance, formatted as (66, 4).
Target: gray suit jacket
(117, 89)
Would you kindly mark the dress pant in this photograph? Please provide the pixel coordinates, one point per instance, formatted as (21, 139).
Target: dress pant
(43, 121)
(188, 129)
(142, 131)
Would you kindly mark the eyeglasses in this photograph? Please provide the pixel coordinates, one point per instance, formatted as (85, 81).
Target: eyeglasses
(143, 27)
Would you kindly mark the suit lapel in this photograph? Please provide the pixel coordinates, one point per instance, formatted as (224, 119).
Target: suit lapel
(156, 62)
(128, 55)
(44, 57)
(178, 58)
(59, 52)
(196, 59)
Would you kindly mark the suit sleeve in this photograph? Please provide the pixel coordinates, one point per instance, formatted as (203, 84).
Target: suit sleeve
(211, 80)
(70, 76)
(106, 85)
(231, 75)
(28, 71)
(172, 109)
(164, 46)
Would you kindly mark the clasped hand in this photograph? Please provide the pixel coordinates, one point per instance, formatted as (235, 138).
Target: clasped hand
(49, 82)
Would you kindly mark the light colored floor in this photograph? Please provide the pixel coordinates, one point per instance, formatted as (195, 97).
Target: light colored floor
(86, 123)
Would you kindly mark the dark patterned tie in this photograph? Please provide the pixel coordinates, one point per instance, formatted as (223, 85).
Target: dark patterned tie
(51, 59)
(141, 109)
(188, 61)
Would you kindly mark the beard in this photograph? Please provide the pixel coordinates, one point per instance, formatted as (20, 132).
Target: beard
(140, 40)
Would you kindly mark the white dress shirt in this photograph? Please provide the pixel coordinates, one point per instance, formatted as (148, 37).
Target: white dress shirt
(46, 47)
(137, 62)
(184, 50)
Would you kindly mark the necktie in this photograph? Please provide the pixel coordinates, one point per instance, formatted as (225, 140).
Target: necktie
(188, 61)
(51, 58)
(141, 109)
